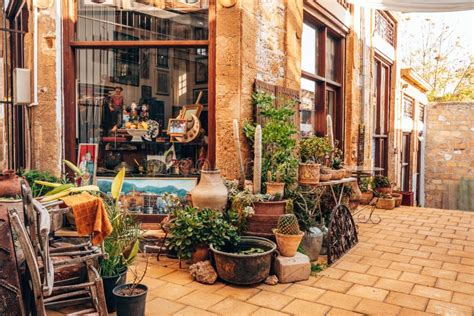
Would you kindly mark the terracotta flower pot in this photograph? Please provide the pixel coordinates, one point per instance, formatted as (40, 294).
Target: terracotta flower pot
(288, 244)
(325, 177)
(338, 174)
(366, 197)
(386, 204)
(275, 188)
(200, 254)
(10, 184)
(398, 198)
(211, 191)
(384, 190)
(308, 173)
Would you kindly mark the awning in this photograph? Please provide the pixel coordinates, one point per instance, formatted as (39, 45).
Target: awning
(417, 5)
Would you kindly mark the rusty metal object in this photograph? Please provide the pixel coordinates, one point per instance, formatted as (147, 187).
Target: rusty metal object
(342, 233)
(11, 302)
(245, 268)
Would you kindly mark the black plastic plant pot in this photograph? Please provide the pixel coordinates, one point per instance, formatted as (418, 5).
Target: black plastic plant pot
(130, 305)
(110, 282)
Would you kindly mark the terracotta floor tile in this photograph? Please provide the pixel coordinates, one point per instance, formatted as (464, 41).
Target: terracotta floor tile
(382, 263)
(270, 300)
(418, 278)
(299, 307)
(444, 308)
(458, 267)
(433, 249)
(359, 278)
(339, 300)
(352, 266)
(341, 312)
(464, 277)
(304, 292)
(405, 267)
(178, 277)
(209, 288)
(332, 273)
(413, 312)
(155, 271)
(231, 306)
(467, 261)
(268, 312)
(394, 285)
(170, 291)
(463, 299)
(426, 262)
(368, 292)
(371, 307)
(457, 286)
(396, 257)
(464, 254)
(386, 273)
(239, 292)
(445, 258)
(164, 306)
(367, 252)
(422, 242)
(200, 299)
(406, 245)
(439, 273)
(280, 287)
(432, 293)
(152, 283)
(407, 300)
(192, 311)
(333, 285)
(415, 253)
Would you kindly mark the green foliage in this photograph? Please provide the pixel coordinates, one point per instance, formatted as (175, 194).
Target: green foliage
(278, 138)
(193, 227)
(288, 225)
(316, 267)
(35, 175)
(381, 182)
(315, 149)
(366, 184)
(306, 207)
(338, 159)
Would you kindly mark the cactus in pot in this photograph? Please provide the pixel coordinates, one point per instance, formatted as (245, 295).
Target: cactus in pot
(288, 235)
(274, 184)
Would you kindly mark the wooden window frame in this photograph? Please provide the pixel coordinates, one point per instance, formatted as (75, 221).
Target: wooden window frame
(405, 162)
(322, 82)
(69, 73)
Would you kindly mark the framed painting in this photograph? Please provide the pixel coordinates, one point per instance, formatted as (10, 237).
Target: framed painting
(162, 82)
(87, 158)
(145, 63)
(178, 186)
(201, 70)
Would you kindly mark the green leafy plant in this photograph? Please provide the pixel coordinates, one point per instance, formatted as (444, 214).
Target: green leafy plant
(122, 245)
(366, 184)
(192, 227)
(338, 157)
(33, 176)
(315, 149)
(381, 182)
(278, 137)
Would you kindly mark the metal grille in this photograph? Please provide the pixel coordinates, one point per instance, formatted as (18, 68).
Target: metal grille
(342, 233)
(385, 27)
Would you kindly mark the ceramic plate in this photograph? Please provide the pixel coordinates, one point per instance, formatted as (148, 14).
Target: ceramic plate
(153, 130)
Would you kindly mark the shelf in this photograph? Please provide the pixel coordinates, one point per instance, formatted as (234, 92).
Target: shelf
(112, 174)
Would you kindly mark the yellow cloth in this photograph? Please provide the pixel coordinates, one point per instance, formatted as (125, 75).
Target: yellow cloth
(90, 216)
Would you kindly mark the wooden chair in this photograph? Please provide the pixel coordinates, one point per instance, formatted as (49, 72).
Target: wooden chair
(44, 259)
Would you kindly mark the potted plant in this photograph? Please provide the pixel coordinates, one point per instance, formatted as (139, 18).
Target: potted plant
(193, 230)
(121, 246)
(398, 196)
(288, 235)
(313, 152)
(365, 187)
(274, 184)
(130, 298)
(382, 184)
(386, 201)
(337, 164)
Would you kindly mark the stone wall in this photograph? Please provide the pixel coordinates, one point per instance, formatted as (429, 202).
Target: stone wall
(449, 160)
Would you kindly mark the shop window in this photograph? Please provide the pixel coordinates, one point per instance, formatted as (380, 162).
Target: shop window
(322, 81)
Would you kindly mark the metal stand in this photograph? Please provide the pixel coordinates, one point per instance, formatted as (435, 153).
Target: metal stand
(372, 218)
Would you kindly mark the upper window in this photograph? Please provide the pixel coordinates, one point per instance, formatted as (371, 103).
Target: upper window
(110, 20)
(385, 27)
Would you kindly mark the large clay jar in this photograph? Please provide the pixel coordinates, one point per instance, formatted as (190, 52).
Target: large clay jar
(10, 184)
(211, 191)
(308, 173)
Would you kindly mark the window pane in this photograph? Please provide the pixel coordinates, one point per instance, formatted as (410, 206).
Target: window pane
(308, 96)
(108, 20)
(331, 58)
(309, 49)
(119, 88)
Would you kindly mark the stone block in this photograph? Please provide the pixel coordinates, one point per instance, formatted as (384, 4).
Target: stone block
(292, 269)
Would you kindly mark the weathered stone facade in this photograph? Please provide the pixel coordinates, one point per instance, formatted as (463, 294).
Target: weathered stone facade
(449, 164)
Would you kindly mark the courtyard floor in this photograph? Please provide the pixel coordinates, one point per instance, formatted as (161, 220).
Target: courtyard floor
(417, 261)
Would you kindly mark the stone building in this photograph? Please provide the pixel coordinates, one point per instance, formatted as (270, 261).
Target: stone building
(340, 57)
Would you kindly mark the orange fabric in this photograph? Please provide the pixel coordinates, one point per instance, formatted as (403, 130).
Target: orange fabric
(90, 216)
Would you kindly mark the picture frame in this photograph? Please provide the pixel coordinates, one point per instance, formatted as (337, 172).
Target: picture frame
(87, 155)
(188, 110)
(146, 92)
(177, 126)
(201, 70)
(162, 57)
(162, 82)
(145, 63)
(204, 98)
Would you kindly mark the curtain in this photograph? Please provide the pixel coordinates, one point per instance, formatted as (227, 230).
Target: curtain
(417, 5)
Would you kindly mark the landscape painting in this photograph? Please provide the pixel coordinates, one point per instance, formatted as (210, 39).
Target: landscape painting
(179, 186)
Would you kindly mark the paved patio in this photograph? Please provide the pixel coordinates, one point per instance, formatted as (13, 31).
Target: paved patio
(415, 262)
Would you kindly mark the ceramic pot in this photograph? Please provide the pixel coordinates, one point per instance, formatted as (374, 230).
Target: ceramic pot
(312, 242)
(366, 197)
(308, 173)
(325, 177)
(398, 198)
(200, 254)
(275, 188)
(288, 244)
(386, 204)
(384, 190)
(338, 174)
(10, 184)
(211, 191)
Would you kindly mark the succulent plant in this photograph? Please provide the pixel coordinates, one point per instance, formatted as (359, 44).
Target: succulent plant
(288, 225)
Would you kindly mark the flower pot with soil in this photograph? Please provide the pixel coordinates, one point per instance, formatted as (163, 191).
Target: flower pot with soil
(313, 152)
(130, 299)
(365, 187)
(274, 184)
(382, 184)
(386, 202)
(288, 235)
(398, 196)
